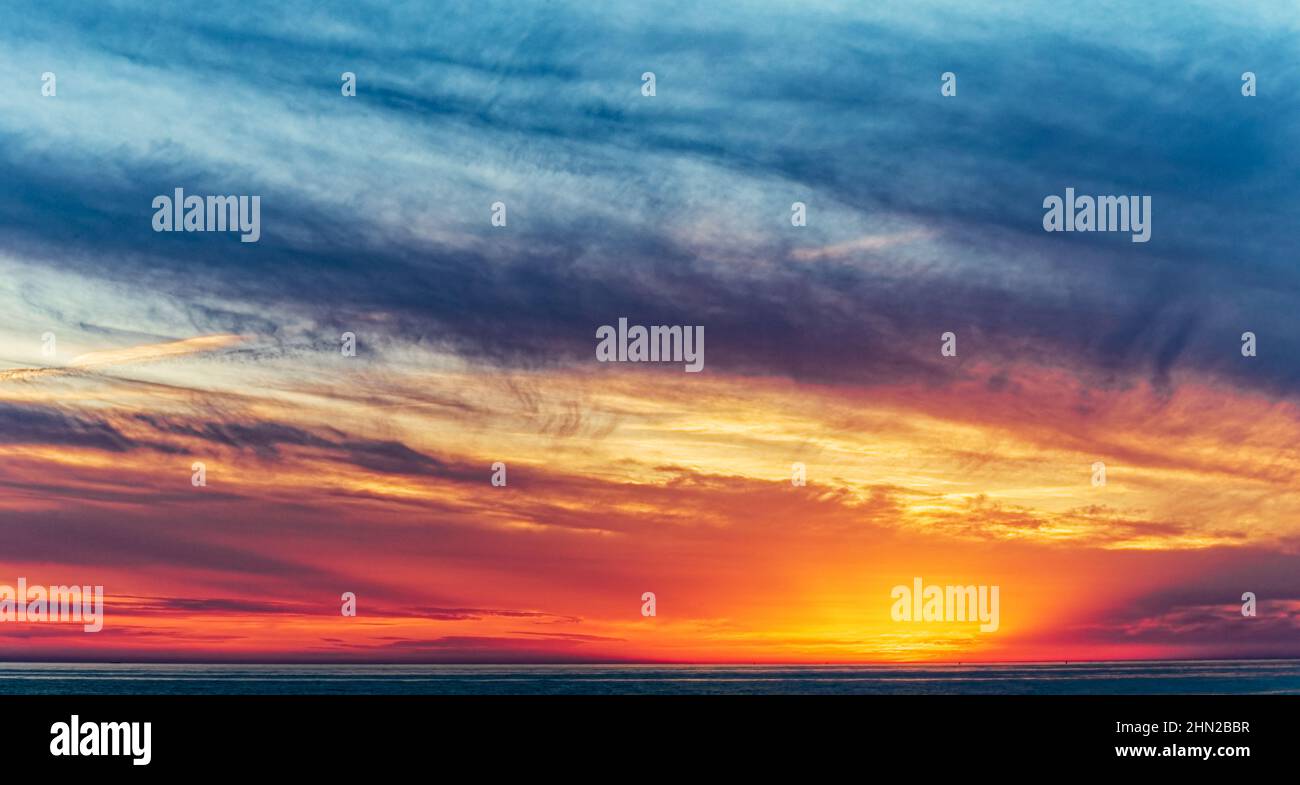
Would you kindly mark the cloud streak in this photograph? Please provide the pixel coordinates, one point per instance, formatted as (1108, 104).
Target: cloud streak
(371, 474)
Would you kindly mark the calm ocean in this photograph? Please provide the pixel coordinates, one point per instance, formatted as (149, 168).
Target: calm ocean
(1114, 678)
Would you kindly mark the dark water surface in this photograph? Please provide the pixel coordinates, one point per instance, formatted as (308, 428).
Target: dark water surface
(1113, 678)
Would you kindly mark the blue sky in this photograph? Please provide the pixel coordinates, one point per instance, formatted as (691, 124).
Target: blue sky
(385, 196)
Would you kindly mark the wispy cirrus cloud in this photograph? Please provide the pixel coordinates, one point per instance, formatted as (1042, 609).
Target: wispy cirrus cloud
(370, 473)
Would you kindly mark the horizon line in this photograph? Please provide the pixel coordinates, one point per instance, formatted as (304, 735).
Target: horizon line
(660, 663)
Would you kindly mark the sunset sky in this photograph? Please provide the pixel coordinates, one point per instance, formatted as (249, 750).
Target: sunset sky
(475, 344)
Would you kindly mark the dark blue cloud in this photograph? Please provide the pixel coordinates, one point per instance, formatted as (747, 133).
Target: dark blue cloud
(673, 209)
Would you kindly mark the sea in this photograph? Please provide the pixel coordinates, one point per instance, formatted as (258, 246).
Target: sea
(1092, 678)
